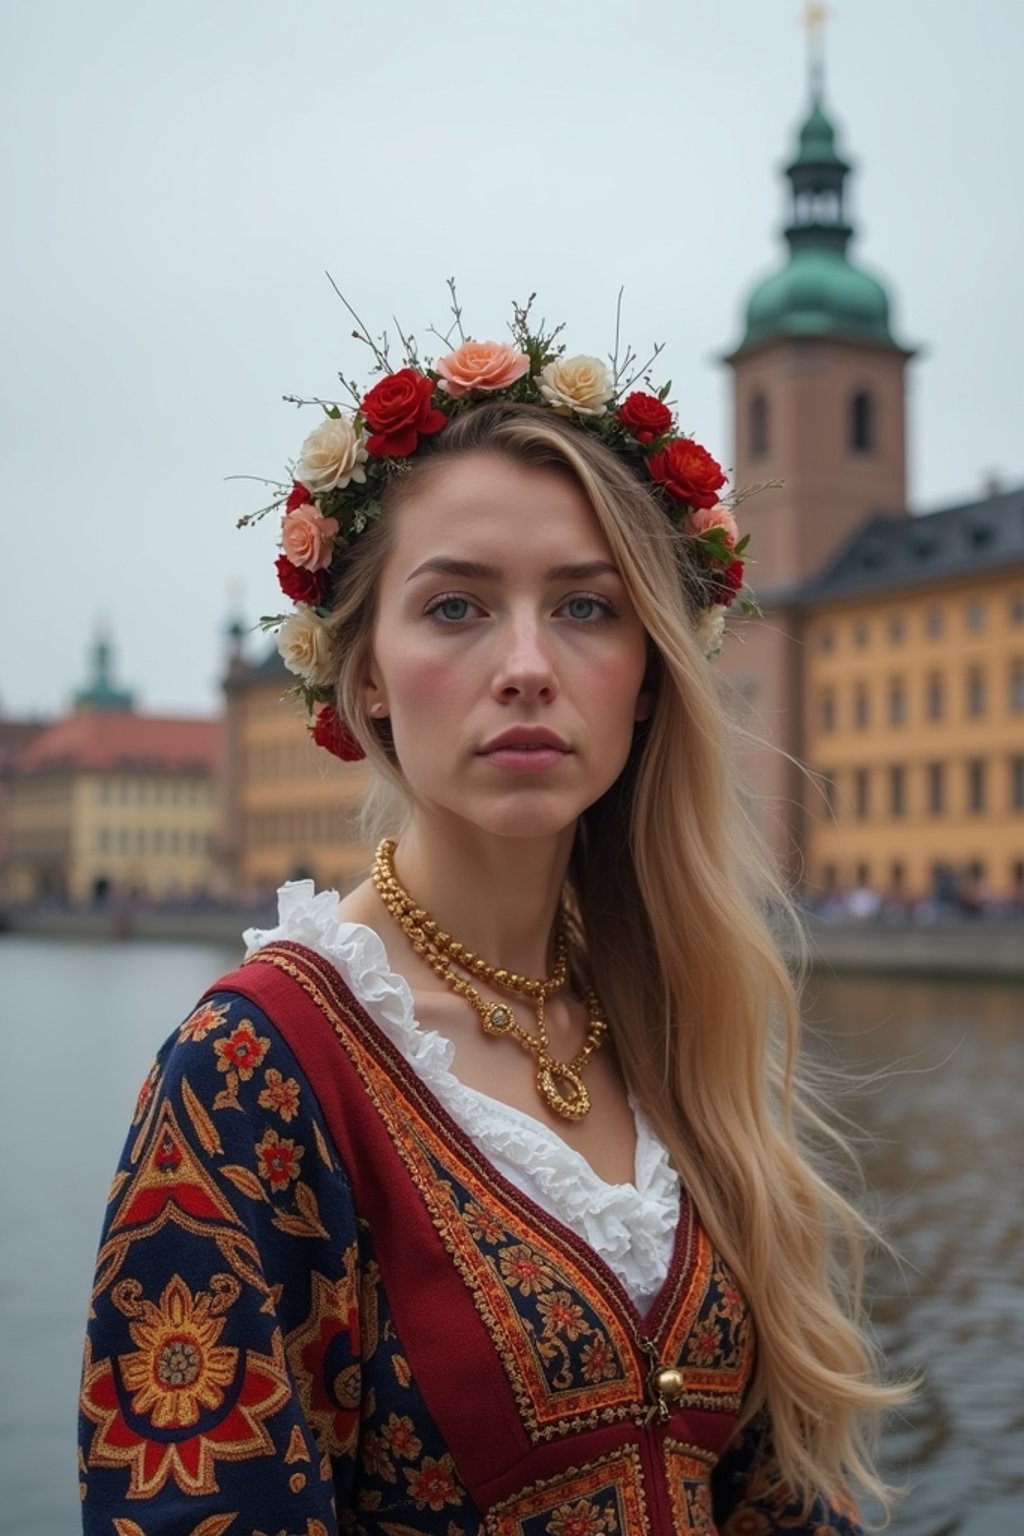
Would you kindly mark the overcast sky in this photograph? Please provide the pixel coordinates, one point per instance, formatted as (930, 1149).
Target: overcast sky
(178, 176)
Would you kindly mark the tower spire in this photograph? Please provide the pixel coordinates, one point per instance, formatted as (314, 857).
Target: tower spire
(815, 17)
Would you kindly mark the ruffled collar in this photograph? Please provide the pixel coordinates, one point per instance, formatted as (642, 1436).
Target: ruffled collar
(632, 1226)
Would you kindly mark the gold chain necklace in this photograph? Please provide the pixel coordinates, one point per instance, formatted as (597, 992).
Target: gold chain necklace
(559, 1083)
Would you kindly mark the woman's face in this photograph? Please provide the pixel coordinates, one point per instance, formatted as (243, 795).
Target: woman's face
(506, 652)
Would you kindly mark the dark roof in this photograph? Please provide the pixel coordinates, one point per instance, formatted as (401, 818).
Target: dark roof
(889, 552)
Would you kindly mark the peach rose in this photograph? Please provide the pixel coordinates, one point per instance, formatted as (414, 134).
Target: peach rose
(304, 646)
(307, 538)
(711, 630)
(481, 365)
(332, 455)
(576, 384)
(718, 516)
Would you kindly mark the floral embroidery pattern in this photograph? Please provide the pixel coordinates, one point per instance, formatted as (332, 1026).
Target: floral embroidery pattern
(278, 1160)
(208, 1016)
(603, 1498)
(178, 1370)
(242, 1052)
(280, 1094)
(433, 1483)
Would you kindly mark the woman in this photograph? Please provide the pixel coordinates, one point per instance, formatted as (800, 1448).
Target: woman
(477, 1201)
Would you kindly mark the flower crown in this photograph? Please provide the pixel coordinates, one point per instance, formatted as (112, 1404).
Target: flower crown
(347, 460)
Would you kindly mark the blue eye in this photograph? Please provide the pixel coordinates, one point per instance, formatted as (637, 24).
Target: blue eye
(588, 610)
(450, 610)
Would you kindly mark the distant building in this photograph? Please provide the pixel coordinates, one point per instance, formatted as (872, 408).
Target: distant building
(15, 736)
(290, 807)
(913, 709)
(107, 803)
(890, 658)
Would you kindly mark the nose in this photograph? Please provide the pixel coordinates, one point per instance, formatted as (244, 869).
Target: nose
(525, 667)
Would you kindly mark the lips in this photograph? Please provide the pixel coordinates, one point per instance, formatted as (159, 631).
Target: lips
(526, 738)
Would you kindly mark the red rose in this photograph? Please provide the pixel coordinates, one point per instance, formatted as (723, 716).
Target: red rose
(330, 731)
(300, 585)
(398, 412)
(645, 416)
(688, 472)
(297, 497)
(726, 583)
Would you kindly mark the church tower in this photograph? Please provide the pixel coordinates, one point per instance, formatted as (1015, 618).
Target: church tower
(819, 403)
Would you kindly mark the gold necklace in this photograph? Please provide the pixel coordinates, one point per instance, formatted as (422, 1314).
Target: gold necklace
(559, 1083)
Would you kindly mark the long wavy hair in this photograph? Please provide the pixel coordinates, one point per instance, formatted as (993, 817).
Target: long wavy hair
(679, 907)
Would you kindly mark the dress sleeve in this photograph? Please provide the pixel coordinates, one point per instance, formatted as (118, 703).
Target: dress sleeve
(749, 1497)
(221, 1384)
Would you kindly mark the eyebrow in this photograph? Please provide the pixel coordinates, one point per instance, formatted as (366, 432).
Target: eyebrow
(474, 570)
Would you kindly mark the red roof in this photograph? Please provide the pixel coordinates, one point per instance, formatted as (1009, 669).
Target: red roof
(125, 743)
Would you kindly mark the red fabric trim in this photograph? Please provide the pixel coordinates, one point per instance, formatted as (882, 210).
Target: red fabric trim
(431, 1306)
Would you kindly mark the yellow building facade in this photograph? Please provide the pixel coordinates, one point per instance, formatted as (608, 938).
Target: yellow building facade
(913, 720)
(291, 808)
(104, 808)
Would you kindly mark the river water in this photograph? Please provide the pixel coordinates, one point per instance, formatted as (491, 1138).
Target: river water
(938, 1110)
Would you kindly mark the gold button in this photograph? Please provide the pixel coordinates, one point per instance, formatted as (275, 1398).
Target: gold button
(668, 1383)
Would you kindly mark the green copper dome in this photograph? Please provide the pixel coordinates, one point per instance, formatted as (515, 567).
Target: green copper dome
(819, 291)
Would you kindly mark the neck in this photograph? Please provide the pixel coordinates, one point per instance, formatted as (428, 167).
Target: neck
(497, 896)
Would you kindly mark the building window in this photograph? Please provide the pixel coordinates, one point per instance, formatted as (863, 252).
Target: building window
(976, 871)
(897, 874)
(827, 639)
(862, 426)
(830, 877)
(976, 784)
(1017, 608)
(935, 623)
(828, 710)
(105, 788)
(897, 629)
(860, 634)
(935, 701)
(861, 708)
(1017, 781)
(105, 840)
(897, 703)
(936, 788)
(863, 873)
(758, 426)
(897, 790)
(828, 792)
(975, 691)
(861, 793)
(975, 615)
(1017, 687)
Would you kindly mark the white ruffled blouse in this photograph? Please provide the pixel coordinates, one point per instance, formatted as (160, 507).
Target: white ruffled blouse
(631, 1226)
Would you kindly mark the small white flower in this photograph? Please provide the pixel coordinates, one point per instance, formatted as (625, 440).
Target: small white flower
(332, 455)
(305, 646)
(576, 384)
(711, 630)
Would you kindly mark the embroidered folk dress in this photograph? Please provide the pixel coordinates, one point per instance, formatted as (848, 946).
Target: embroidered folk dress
(334, 1293)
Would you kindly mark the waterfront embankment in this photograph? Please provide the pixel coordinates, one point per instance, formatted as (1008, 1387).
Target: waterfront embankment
(968, 949)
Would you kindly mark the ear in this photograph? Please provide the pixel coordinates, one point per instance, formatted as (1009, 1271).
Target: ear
(644, 705)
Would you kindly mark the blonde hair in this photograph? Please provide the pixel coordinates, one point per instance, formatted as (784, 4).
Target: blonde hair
(676, 897)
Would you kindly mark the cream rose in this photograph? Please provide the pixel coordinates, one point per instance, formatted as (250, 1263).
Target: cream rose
(579, 384)
(483, 365)
(307, 538)
(718, 516)
(332, 455)
(304, 646)
(711, 630)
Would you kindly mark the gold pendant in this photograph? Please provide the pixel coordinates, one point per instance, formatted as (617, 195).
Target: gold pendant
(562, 1088)
(497, 1019)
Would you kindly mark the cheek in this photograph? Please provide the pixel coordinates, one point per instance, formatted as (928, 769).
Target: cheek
(422, 684)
